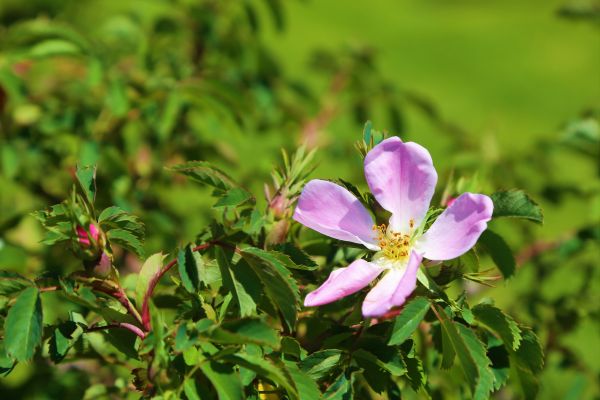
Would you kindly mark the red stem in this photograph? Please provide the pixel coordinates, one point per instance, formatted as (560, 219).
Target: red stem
(124, 325)
(120, 295)
(154, 281)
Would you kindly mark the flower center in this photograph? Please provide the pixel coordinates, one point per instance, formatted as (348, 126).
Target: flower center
(394, 246)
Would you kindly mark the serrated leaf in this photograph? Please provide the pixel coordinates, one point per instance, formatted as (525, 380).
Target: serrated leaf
(408, 320)
(471, 354)
(233, 197)
(246, 303)
(86, 176)
(320, 363)
(500, 323)
(307, 388)
(516, 204)
(530, 354)
(127, 240)
(500, 364)
(414, 366)
(188, 270)
(500, 252)
(147, 274)
(485, 381)
(23, 325)
(279, 285)
(12, 283)
(206, 173)
(298, 257)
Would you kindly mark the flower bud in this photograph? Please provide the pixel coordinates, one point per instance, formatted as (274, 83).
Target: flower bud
(82, 234)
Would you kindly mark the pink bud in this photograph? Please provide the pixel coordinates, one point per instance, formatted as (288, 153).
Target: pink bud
(103, 268)
(82, 235)
(94, 232)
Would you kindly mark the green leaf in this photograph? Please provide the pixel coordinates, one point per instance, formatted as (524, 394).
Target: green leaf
(485, 381)
(307, 388)
(503, 325)
(23, 325)
(500, 252)
(516, 204)
(278, 283)
(414, 366)
(54, 47)
(12, 283)
(233, 197)
(190, 390)
(147, 274)
(242, 331)
(530, 354)
(206, 173)
(471, 353)
(127, 240)
(500, 363)
(62, 339)
(265, 368)
(408, 320)
(394, 366)
(86, 176)
(246, 303)
(6, 362)
(341, 388)
(188, 270)
(224, 379)
(299, 258)
(320, 363)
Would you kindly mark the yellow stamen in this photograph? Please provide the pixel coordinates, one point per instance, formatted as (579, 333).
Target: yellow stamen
(394, 245)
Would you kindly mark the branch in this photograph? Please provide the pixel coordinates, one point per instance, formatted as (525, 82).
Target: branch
(156, 278)
(120, 295)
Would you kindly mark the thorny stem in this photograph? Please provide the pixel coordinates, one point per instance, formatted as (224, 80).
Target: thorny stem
(156, 278)
(118, 294)
(124, 325)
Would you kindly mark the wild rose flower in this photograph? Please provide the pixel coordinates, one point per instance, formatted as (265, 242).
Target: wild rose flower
(82, 235)
(402, 178)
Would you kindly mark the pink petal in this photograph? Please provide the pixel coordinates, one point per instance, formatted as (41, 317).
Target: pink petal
(393, 289)
(402, 179)
(343, 282)
(94, 232)
(457, 229)
(334, 211)
(82, 236)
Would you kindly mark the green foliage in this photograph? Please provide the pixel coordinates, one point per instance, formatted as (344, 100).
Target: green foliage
(516, 204)
(23, 325)
(103, 104)
(405, 324)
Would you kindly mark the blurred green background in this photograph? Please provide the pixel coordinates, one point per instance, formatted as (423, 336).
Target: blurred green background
(503, 93)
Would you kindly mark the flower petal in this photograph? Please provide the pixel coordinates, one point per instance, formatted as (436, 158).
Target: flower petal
(334, 211)
(457, 229)
(402, 178)
(393, 289)
(343, 282)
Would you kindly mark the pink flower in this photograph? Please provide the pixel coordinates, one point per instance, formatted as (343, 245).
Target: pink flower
(82, 235)
(402, 178)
